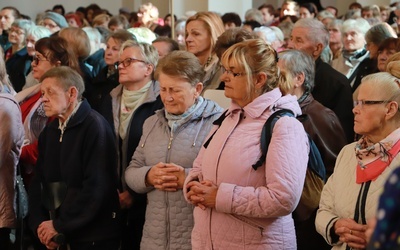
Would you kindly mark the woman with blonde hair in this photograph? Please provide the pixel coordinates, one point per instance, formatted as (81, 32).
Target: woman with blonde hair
(202, 32)
(242, 199)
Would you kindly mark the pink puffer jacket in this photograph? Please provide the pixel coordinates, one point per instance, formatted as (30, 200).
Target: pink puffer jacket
(253, 207)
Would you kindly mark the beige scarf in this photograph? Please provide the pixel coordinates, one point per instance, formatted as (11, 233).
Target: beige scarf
(130, 101)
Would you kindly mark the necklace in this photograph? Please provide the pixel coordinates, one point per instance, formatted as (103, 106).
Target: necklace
(209, 59)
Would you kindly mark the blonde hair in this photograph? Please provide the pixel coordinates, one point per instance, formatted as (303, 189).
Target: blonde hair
(212, 22)
(393, 64)
(254, 56)
(4, 80)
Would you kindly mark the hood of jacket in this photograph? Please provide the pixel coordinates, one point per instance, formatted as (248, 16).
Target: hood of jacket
(272, 100)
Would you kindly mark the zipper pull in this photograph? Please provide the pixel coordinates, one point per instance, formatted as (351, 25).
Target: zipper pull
(170, 142)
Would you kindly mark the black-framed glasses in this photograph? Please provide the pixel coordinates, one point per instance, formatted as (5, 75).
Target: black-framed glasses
(230, 72)
(363, 103)
(128, 61)
(37, 59)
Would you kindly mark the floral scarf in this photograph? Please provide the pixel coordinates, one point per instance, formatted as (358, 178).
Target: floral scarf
(374, 158)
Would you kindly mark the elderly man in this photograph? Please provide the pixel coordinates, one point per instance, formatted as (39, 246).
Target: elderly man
(332, 88)
(354, 52)
(73, 198)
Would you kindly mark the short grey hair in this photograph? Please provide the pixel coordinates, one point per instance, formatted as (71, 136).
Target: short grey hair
(379, 32)
(38, 32)
(360, 25)
(297, 62)
(23, 24)
(67, 77)
(317, 32)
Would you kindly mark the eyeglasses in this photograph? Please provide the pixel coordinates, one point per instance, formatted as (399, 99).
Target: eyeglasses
(230, 72)
(363, 103)
(128, 61)
(36, 59)
(17, 31)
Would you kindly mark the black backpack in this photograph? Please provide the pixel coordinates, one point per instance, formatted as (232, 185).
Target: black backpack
(315, 174)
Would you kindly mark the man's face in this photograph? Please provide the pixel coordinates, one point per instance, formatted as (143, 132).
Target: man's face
(300, 41)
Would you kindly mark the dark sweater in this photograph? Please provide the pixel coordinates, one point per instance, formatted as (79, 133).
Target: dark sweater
(85, 162)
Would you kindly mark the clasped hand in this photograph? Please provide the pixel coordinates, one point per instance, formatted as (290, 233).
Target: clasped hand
(166, 176)
(46, 232)
(202, 194)
(351, 233)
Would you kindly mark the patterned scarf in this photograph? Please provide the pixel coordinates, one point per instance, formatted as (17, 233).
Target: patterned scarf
(374, 158)
(130, 100)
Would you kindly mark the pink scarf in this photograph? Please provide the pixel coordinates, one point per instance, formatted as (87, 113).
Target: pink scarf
(374, 158)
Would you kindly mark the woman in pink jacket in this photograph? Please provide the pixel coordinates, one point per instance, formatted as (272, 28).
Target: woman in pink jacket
(238, 207)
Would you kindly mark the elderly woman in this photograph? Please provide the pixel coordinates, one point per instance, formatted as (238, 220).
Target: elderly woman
(202, 32)
(17, 58)
(237, 204)
(170, 142)
(350, 197)
(320, 123)
(374, 38)
(32, 36)
(76, 170)
(50, 52)
(11, 138)
(388, 47)
(354, 52)
(127, 107)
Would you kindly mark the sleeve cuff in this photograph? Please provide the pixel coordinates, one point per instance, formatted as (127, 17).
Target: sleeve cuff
(224, 199)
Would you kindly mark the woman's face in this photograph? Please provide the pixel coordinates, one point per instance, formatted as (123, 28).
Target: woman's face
(369, 118)
(383, 57)
(177, 94)
(305, 13)
(40, 65)
(51, 25)
(235, 80)
(56, 100)
(168, 21)
(30, 44)
(16, 36)
(353, 40)
(335, 36)
(72, 22)
(112, 50)
(198, 40)
(136, 71)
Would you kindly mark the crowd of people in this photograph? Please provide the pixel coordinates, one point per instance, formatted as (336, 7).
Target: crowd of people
(106, 118)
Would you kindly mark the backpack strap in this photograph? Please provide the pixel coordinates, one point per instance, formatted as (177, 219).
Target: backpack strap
(216, 122)
(266, 134)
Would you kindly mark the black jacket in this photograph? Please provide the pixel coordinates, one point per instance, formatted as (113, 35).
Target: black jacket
(332, 89)
(85, 161)
(18, 66)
